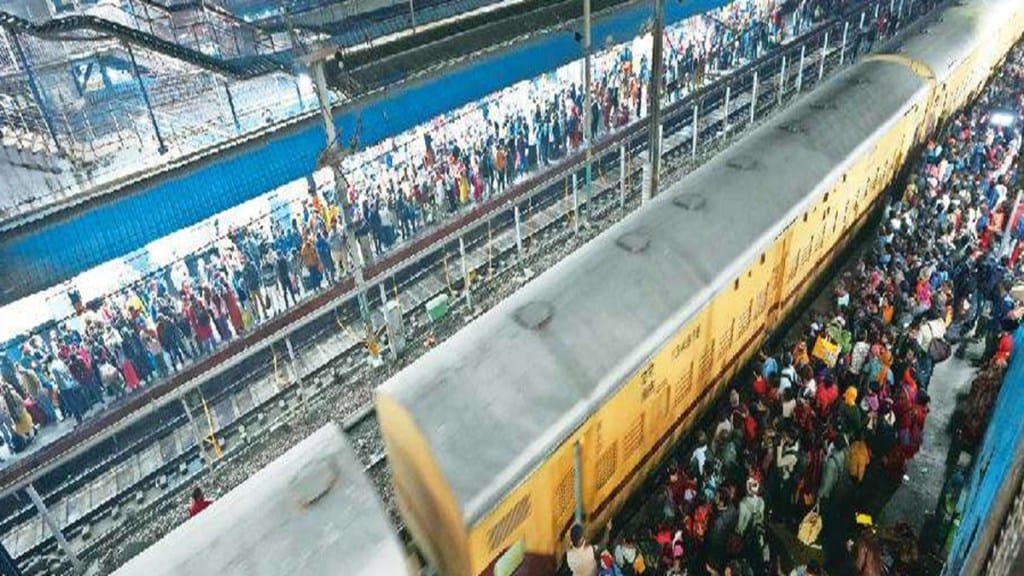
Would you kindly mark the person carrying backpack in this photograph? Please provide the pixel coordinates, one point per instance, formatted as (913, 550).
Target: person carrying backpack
(750, 525)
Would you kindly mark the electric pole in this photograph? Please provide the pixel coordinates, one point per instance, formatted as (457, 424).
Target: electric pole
(654, 109)
(332, 157)
(588, 120)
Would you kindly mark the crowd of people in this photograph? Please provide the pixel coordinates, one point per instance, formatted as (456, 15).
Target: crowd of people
(803, 454)
(145, 332)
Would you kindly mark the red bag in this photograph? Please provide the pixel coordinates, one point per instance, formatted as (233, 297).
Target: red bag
(701, 520)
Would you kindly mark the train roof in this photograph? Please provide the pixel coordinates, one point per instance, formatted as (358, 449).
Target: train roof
(310, 512)
(499, 396)
(943, 40)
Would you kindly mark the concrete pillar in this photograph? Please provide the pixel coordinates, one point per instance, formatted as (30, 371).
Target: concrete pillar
(693, 140)
(575, 204)
(519, 231)
(622, 177)
(466, 288)
(753, 99)
(824, 54)
(800, 72)
(782, 79)
(725, 117)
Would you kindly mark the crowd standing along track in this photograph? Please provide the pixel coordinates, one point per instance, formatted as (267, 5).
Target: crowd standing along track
(264, 399)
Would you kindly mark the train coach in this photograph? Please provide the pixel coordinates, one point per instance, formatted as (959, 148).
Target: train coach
(311, 512)
(560, 400)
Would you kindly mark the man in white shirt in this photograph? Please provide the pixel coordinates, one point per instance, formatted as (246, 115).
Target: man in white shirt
(700, 453)
(580, 557)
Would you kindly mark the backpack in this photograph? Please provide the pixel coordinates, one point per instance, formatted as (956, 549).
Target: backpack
(939, 350)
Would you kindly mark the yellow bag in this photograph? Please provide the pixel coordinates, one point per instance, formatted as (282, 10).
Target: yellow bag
(639, 565)
(810, 528)
(826, 351)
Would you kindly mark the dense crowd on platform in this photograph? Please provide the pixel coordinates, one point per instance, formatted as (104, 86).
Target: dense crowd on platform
(828, 423)
(150, 330)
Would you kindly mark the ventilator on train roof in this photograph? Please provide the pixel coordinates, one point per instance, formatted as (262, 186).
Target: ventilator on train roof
(310, 512)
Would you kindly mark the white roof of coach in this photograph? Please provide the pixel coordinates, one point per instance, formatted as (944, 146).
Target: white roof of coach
(310, 512)
(944, 39)
(498, 397)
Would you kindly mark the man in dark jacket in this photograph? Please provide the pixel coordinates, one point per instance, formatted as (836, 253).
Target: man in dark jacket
(726, 519)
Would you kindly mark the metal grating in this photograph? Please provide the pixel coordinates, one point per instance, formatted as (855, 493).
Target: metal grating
(606, 463)
(634, 439)
(512, 520)
(565, 496)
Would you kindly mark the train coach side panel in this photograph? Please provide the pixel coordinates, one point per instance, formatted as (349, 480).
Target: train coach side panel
(515, 537)
(631, 431)
(426, 503)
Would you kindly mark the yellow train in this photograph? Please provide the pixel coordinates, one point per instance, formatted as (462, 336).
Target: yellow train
(565, 395)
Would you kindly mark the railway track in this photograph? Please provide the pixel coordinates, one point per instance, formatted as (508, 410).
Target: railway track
(268, 400)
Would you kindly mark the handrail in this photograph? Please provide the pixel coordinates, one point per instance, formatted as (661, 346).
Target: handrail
(241, 68)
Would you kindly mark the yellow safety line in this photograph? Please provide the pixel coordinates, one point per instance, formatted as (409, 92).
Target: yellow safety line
(209, 421)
